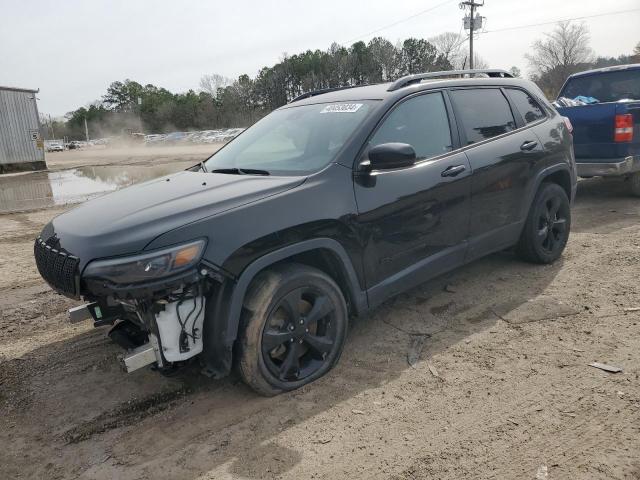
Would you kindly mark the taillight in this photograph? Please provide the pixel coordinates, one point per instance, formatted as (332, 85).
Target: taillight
(567, 122)
(624, 128)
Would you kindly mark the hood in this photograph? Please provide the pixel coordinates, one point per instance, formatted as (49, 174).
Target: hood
(126, 221)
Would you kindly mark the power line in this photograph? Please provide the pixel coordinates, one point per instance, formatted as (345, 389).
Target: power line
(565, 20)
(400, 21)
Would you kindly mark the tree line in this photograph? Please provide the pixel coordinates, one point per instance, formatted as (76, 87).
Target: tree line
(220, 102)
(564, 51)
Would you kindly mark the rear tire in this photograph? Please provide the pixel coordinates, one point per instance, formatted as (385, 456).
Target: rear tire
(294, 325)
(546, 230)
(634, 181)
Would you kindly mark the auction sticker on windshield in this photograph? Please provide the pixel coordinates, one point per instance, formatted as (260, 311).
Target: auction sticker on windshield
(341, 108)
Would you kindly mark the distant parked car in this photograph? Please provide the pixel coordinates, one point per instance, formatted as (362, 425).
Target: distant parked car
(212, 136)
(97, 142)
(606, 122)
(203, 135)
(153, 139)
(175, 137)
(75, 144)
(55, 147)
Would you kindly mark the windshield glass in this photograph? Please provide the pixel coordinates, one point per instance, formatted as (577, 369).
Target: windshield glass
(605, 87)
(294, 140)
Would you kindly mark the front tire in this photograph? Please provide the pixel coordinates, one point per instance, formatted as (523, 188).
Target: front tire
(546, 231)
(294, 325)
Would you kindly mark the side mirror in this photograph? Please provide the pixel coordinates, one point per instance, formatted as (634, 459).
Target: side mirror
(388, 156)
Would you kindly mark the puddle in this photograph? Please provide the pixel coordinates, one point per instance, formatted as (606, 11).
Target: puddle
(45, 189)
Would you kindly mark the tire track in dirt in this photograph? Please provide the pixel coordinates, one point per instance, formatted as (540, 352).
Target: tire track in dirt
(129, 413)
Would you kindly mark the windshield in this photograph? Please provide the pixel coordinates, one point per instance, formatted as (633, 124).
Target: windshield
(605, 87)
(292, 141)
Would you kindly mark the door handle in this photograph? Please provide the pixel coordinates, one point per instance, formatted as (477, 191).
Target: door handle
(528, 145)
(453, 171)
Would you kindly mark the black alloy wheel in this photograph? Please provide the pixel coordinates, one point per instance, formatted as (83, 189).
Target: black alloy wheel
(299, 334)
(293, 328)
(552, 225)
(546, 229)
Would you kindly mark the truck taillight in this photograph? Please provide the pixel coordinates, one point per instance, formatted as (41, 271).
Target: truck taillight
(567, 122)
(624, 128)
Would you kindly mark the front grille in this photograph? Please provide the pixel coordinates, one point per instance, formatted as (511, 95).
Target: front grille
(57, 267)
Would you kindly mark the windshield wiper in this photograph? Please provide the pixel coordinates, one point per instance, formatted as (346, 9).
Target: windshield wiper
(254, 171)
(240, 171)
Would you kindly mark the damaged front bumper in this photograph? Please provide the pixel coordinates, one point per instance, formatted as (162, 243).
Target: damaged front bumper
(140, 357)
(164, 323)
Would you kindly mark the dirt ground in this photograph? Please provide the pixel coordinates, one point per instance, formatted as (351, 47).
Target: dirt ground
(129, 156)
(501, 389)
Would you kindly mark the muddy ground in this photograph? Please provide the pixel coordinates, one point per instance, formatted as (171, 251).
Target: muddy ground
(134, 155)
(502, 387)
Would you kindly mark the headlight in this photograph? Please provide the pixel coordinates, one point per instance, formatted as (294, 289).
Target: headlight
(148, 266)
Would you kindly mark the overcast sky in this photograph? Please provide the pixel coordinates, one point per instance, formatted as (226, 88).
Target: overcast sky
(73, 49)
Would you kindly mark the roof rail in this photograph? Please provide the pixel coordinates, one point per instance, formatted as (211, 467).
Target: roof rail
(321, 91)
(416, 78)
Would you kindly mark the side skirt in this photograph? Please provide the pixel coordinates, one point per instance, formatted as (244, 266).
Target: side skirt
(444, 261)
(494, 241)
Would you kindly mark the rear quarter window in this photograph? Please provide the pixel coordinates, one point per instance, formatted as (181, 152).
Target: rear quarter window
(528, 108)
(482, 113)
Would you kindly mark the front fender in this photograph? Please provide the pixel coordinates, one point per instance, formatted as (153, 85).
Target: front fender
(224, 310)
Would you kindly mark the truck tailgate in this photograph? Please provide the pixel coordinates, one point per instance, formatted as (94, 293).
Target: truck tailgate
(593, 129)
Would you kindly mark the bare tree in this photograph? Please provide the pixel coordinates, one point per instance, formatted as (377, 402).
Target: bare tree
(562, 52)
(479, 62)
(515, 71)
(211, 83)
(449, 45)
(636, 52)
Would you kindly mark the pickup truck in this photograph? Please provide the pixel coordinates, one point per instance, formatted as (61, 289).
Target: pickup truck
(606, 131)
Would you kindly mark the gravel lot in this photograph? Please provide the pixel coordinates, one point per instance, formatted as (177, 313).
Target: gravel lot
(501, 388)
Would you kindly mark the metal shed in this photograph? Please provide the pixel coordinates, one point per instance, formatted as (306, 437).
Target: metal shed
(21, 144)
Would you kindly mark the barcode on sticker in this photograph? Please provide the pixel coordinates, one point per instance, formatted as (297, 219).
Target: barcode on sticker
(341, 108)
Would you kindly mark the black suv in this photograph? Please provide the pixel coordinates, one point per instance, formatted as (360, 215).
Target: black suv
(258, 256)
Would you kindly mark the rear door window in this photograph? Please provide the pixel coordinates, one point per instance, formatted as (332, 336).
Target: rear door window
(526, 106)
(422, 122)
(483, 113)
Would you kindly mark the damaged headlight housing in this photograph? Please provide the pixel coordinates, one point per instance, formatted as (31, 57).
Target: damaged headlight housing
(147, 266)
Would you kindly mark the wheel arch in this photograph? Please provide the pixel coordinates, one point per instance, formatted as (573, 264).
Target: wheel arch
(563, 178)
(325, 254)
(560, 174)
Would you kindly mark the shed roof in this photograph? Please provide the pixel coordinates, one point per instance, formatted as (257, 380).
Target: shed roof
(16, 89)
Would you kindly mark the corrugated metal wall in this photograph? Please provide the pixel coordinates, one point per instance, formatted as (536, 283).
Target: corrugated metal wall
(20, 140)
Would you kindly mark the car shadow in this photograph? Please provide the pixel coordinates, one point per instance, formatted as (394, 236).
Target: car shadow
(80, 414)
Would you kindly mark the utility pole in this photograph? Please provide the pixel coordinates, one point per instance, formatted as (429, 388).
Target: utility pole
(472, 22)
(86, 129)
(53, 134)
